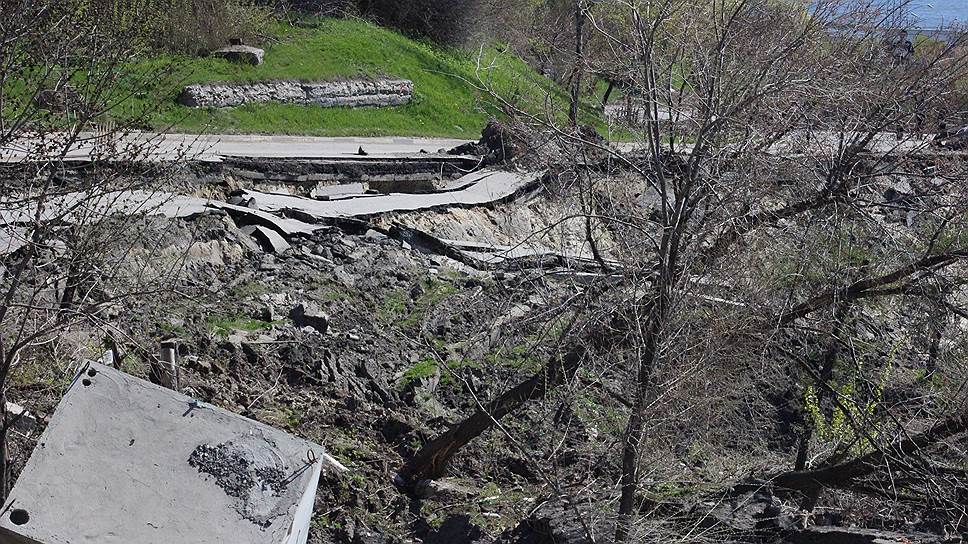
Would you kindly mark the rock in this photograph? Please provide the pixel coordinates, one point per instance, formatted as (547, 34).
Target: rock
(374, 236)
(242, 54)
(272, 302)
(308, 314)
(59, 100)
(22, 420)
(747, 512)
(442, 490)
(589, 134)
(377, 382)
(331, 94)
(852, 535)
(457, 528)
(202, 365)
(365, 536)
(555, 523)
(345, 277)
(498, 144)
(303, 366)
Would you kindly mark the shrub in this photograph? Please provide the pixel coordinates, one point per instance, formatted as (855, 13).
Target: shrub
(324, 8)
(184, 26)
(443, 21)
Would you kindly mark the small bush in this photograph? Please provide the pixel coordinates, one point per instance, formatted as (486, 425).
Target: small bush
(324, 8)
(184, 26)
(200, 26)
(443, 21)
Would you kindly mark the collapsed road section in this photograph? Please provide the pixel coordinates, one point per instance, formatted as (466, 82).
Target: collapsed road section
(479, 188)
(325, 182)
(275, 217)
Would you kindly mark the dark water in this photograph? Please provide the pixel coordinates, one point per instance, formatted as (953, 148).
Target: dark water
(935, 13)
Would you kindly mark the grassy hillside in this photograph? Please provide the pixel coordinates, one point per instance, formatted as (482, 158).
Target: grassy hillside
(446, 102)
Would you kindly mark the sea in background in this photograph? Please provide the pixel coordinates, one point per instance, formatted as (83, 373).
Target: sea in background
(937, 13)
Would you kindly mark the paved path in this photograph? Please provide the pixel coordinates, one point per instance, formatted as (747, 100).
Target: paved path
(214, 147)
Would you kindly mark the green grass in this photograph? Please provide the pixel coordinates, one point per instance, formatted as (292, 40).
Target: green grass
(445, 102)
(427, 367)
(225, 325)
(518, 356)
(249, 290)
(395, 308)
(421, 369)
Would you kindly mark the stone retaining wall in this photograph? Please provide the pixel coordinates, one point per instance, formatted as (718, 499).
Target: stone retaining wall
(352, 94)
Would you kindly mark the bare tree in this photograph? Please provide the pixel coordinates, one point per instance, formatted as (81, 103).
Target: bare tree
(753, 133)
(77, 181)
(579, 68)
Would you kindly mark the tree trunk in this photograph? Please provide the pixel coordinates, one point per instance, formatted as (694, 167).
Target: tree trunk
(579, 62)
(432, 459)
(846, 475)
(636, 427)
(608, 93)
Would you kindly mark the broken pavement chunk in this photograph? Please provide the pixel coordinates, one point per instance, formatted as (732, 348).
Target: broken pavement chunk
(268, 238)
(125, 461)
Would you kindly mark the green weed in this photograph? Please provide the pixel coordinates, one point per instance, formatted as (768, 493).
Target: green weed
(223, 326)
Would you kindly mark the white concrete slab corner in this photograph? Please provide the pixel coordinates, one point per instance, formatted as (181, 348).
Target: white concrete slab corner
(126, 461)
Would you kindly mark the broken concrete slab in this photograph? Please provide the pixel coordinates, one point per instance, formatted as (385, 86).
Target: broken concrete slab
(268, 238)
(477, 189)
(395, 174)
(126, 461)
(12, 239)
(80, 206)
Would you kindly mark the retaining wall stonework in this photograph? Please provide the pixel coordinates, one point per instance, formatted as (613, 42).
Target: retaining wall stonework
(351, 94)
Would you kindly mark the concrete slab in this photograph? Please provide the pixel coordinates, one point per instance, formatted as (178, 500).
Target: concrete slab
(124, 461)
(282, 225)
(268, 238)
(81, 207)
(474, 189)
